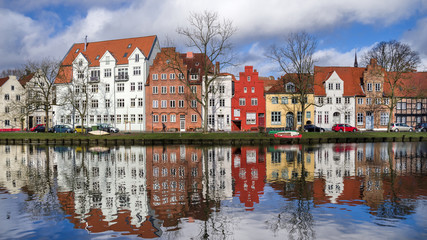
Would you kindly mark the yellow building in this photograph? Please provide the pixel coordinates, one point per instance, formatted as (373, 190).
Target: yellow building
(283, 108)
(286, 163)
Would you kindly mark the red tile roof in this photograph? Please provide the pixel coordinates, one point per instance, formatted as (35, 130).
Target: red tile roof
(412, 84)
(279, 85)
(121, 49)
(25, 79)
(350, 75)
(3, 81)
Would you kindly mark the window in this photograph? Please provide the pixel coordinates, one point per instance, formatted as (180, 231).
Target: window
(193, 118)
(274, 100)
(193, 104)
(326, 117)
(155, 90)
(194, 89)
(251, 118)
(211, 119)
(360, 101)
(222, 102)
(140, 86)
(120, 103)
(338, 86)
(384, 118)
(172, 76)
(386, 101)
(6, 109)
(136, 71)
(180, 75)
(172, 89)
(94, 103)
(155, 118)
(122, 74)
(6, 97)
(330, 86)
(290, 87)
(252, 90)
(107, 72)
(237, 112)
(242, 101)
(347, 100)
(320, 100)
(254, 101)
(308, 114)
(18, 98)
(378, 87)
(299, 117)
(193, 77)
(249, 78)
(172, 103)
(107, 88)
(132, 102)
(284, 100)
(155, 76)
(155, 104)
(347, 117)
(136, 57)
(172, 118)
(359, 118)
(245, 90)
(164, 76)
(377, 101)
(211, 102)
(222, 89)
(418, 106)
(369, 87)
(180, 89)
(164, 118)
(164, 90)
(368, 101)
(94, 88)
(294, 100)
(132, 86)
(276, 118)
(7, 122)
(180, 103)
(164, 103)
(120, 87)
(140, 102)
(338, 100)
(140, 118)
(328, 100)
(107, 103)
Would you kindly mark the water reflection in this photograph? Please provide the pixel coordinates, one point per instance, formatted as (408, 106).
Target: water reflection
(197, 192)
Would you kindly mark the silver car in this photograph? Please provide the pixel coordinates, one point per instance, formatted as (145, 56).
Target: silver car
(396, 127)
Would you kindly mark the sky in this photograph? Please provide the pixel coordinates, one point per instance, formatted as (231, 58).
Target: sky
(38, 29)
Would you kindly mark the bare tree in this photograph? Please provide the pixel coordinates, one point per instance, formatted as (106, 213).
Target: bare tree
(18, 72)
(295, 59)
(397, 59)
(41, 90)
(210, 36)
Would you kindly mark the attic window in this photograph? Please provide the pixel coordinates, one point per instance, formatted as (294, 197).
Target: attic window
(130, 45)
(197, 64)
(126, 54)
(77, 50)
(97, 57)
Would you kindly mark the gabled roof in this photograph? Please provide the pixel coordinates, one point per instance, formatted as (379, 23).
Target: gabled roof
(25, 79)
(3, 81)
(412, 84)
(351, 77)
(279, 85)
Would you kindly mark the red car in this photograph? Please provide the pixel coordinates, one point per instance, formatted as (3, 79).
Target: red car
(33, 128)
(344, 128)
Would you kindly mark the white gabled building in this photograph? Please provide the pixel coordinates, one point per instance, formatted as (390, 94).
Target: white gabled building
(114, 73)
(335, 90)
(219, 103)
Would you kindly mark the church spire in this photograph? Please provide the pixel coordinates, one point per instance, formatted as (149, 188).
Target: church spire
(355, 59)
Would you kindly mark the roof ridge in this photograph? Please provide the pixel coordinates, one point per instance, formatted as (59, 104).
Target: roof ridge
(117, 39)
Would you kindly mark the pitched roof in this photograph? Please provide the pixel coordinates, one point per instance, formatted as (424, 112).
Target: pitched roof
(3, 81)
(412, 84)
(25, 79)
(350, 75)
(121, 49)
(279, 85)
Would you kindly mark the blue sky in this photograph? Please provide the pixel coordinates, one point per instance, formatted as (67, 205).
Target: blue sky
(37, 29)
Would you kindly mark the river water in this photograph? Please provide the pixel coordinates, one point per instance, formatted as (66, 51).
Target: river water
(328, 191)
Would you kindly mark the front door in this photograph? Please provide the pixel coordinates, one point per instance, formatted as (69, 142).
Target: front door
(182, 123)
(289, 121)
(261, 120)
(336, 118)
(369, 121)
(220, 122)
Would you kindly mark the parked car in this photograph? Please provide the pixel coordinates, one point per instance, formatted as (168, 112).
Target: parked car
(107, 128)
(40, 128)
(33, 128)
(396, 127)
(344, 128)
(61, 129)
(313, 128)
(421, 127)
(80, 129)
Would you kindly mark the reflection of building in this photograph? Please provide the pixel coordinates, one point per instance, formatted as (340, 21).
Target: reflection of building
(106, 190)
(248, 171)
(219, 173)
(288, 162)
(174, 182)
(334, 162)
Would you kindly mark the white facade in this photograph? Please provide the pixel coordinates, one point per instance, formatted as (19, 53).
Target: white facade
(11, 92)
(334, 108)
(219, 103)
(117, 92)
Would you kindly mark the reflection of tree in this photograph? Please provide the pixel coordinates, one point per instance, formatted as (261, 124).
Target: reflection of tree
(296, 215)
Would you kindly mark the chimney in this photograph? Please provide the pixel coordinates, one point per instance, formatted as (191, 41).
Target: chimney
(85, 43)
(190, 55)
(217, 67)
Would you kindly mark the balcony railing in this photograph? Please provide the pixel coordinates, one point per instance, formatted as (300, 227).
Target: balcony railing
(121, 77)
(94, 79)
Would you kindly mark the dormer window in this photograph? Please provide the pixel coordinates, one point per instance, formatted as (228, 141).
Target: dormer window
(197, 64)
(126, 54)
(97, 57)
(80, 63)
(290, 87)
(130, 45)
(77, 50)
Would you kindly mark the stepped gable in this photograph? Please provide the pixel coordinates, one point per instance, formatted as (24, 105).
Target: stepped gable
(351, 76)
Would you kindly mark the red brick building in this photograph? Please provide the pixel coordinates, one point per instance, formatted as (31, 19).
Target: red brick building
(248, 102)
(171, 90)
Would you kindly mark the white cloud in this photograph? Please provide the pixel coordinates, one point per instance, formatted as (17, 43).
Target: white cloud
(417, 39)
